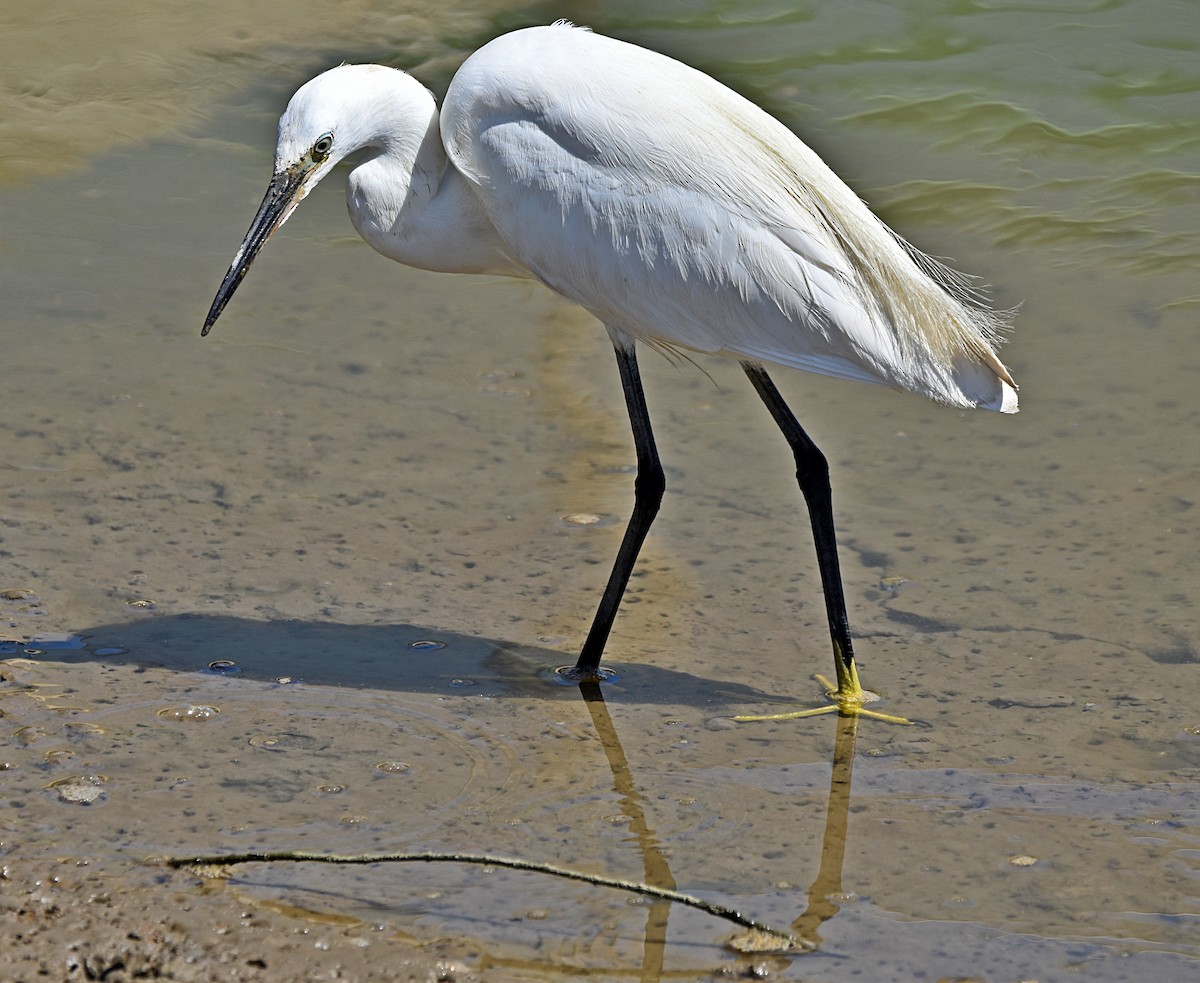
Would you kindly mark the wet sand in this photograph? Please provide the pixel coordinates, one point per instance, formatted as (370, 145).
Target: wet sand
(367, 491)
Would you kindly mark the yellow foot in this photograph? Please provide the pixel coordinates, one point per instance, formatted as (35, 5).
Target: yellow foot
(849, 700)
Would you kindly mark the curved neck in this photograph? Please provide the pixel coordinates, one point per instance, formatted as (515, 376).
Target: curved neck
(410, 203)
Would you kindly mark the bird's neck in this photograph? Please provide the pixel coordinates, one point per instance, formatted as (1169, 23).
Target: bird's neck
(409, 202)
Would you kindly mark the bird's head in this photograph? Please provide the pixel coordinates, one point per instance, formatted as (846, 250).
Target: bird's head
(329, 117)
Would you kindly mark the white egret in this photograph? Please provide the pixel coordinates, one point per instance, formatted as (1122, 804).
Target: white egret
(673, 209)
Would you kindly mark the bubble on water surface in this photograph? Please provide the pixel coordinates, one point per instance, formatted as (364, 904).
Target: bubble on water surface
(189, 711)
(284, 742)
(570, 676)
(392, 767)
(426, 645)
(223, 667)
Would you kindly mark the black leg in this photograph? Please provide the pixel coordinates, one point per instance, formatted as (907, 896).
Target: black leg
(647, 496)
(812, 472)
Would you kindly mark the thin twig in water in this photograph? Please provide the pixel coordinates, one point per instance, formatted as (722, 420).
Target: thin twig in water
(297, 856)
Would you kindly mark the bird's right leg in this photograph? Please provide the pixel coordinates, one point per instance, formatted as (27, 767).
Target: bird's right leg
(812, 473)
(648, 490)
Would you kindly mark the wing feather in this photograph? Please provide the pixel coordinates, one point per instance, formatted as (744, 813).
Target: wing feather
(681, 214)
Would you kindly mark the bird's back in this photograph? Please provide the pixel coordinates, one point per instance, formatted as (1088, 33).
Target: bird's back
(681, 214)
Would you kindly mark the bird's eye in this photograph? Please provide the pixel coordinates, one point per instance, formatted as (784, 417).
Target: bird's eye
(321, 148)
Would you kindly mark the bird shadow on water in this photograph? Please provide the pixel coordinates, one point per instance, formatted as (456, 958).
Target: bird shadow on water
(391, 657)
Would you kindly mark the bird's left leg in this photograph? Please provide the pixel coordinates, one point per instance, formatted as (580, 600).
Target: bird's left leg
(648, 491)
(812, 472)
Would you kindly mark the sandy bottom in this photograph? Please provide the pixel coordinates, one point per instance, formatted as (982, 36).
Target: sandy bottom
(299, 586)
(68, 919)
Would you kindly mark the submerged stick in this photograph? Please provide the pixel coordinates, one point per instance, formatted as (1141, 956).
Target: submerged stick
(788, 940)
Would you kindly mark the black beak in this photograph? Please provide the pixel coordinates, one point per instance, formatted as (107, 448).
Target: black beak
(283, 194)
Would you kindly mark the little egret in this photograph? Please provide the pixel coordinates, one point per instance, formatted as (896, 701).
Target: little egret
(677, 212)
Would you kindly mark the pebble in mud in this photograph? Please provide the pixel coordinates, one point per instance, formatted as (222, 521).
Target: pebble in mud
(585, 520)
(30, 735)
(1033, 701)
(84, 790)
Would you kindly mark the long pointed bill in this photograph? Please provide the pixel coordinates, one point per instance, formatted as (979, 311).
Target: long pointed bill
(283, 195)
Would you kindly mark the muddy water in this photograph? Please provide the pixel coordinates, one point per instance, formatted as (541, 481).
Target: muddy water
(368, 490)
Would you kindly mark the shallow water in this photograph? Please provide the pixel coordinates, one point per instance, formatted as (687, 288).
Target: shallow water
(362, 458)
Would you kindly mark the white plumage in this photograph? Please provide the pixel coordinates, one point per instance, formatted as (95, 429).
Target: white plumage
(680, 213)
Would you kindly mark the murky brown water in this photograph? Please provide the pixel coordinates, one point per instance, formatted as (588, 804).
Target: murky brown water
(364, 458)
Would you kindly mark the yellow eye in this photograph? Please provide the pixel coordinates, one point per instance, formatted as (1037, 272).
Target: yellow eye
(320, 149)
